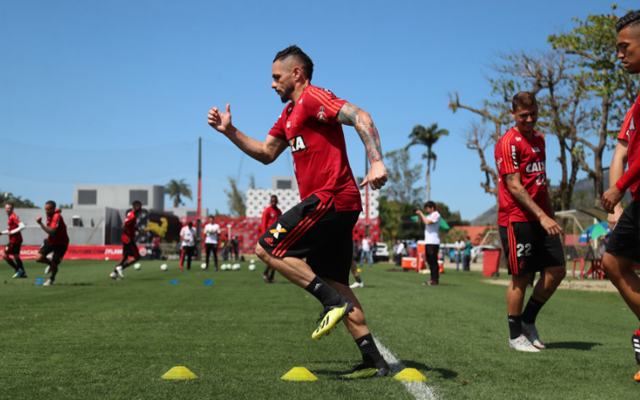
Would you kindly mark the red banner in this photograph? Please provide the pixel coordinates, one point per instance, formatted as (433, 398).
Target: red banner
(77, 252)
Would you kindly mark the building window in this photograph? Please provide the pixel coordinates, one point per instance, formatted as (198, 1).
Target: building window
(87, 197)
(283, 184)
(141, 195)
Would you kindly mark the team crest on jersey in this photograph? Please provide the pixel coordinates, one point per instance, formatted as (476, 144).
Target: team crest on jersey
(537, 166)
(518, 138)
(297, 144)
(514, 156)
(322, 116)
(276, 232)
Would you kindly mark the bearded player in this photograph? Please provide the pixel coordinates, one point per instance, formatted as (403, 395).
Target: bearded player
(15, 242)
(528, 231)
(624, 244)
(320, 227)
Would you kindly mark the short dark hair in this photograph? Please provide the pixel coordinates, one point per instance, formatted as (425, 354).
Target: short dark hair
(632, 18)
(50, 203)
(430, 204)
(8, 204)
(136, 202)
(523, 100)
(272, 196)
(295, 51)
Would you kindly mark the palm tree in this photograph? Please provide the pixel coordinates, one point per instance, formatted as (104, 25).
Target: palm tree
(175, 189)
(427, 137)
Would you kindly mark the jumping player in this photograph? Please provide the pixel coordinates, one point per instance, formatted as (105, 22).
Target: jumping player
(56, 242)
(15, 242)
(623, 247)
(269, 217)
(129, 246)
(529, 234)
(311, 125)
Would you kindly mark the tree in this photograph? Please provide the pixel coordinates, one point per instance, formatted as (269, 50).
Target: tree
(594, 45)
(427, 137)
(402, 178)
(580, 93)
(176, 189)
(17, 201)
(235, 199)
(399, 196)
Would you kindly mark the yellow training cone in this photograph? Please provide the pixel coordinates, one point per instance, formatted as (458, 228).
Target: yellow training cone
(410, 375)
(299, 374)
(179, 373)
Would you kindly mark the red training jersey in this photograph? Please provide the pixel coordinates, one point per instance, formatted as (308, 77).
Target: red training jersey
(130, 224)
(60, 237)
(13, 224)
(269, 216)
(628, 134)
(318, 148)
(515, 153)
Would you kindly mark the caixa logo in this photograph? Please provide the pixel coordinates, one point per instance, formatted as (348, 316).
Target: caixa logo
(537, 166)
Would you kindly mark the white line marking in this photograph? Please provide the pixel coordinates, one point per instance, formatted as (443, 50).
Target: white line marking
(418, 389)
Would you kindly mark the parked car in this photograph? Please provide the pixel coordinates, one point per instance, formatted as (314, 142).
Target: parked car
(382, 252)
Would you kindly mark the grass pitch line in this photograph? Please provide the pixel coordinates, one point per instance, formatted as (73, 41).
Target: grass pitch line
(418, 389)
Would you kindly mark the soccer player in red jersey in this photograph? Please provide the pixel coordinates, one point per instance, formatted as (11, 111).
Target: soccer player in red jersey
(320, 227)
(269, 217)
(528, 231)
(129, 246)
(56, 242)
(623, 247)
(15, 242)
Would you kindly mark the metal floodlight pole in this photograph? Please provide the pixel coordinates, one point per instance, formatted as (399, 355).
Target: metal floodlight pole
(199, 209)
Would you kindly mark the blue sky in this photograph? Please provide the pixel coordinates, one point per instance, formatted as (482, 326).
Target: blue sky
(117, 92)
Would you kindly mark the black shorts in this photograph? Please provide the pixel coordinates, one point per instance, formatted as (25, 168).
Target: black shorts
(315, 230)
(57, 250)
(529, 248)
(130, 250)
(625, 238)
(13, 248)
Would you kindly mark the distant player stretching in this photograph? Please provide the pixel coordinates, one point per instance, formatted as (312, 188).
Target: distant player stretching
(56, 242)
(129, 246)
(528, 231)
(624, 244)
(15, 242)
(320, 227)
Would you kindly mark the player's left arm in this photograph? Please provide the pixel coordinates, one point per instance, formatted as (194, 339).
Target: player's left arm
(361, 120)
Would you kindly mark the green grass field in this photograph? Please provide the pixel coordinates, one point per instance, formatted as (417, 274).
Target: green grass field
(88, 337)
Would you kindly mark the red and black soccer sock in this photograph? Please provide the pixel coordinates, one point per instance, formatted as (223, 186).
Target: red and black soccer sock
(531, 310)
(515, 326)
(370, 353)
(272, 274)
(19, 263)
(13, 264)
(323, 292)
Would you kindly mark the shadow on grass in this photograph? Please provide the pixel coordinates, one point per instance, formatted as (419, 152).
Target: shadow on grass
(573, 345)
(445, 373)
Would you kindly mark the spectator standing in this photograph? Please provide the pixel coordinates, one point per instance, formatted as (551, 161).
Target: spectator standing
(431, 223)
(366, 251)
(399, 252)
(211, 231)
(269, 217)
(188, 237)
(459, 246)
(466, 254)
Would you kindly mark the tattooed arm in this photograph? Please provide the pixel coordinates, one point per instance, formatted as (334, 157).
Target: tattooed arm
(520, 194)
(361, 120)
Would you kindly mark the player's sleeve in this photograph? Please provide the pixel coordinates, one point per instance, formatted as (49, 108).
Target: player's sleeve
(322, 105)
(507, 154)
(278, 128)
(263, 222)
(632, 175)
(20, 227)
